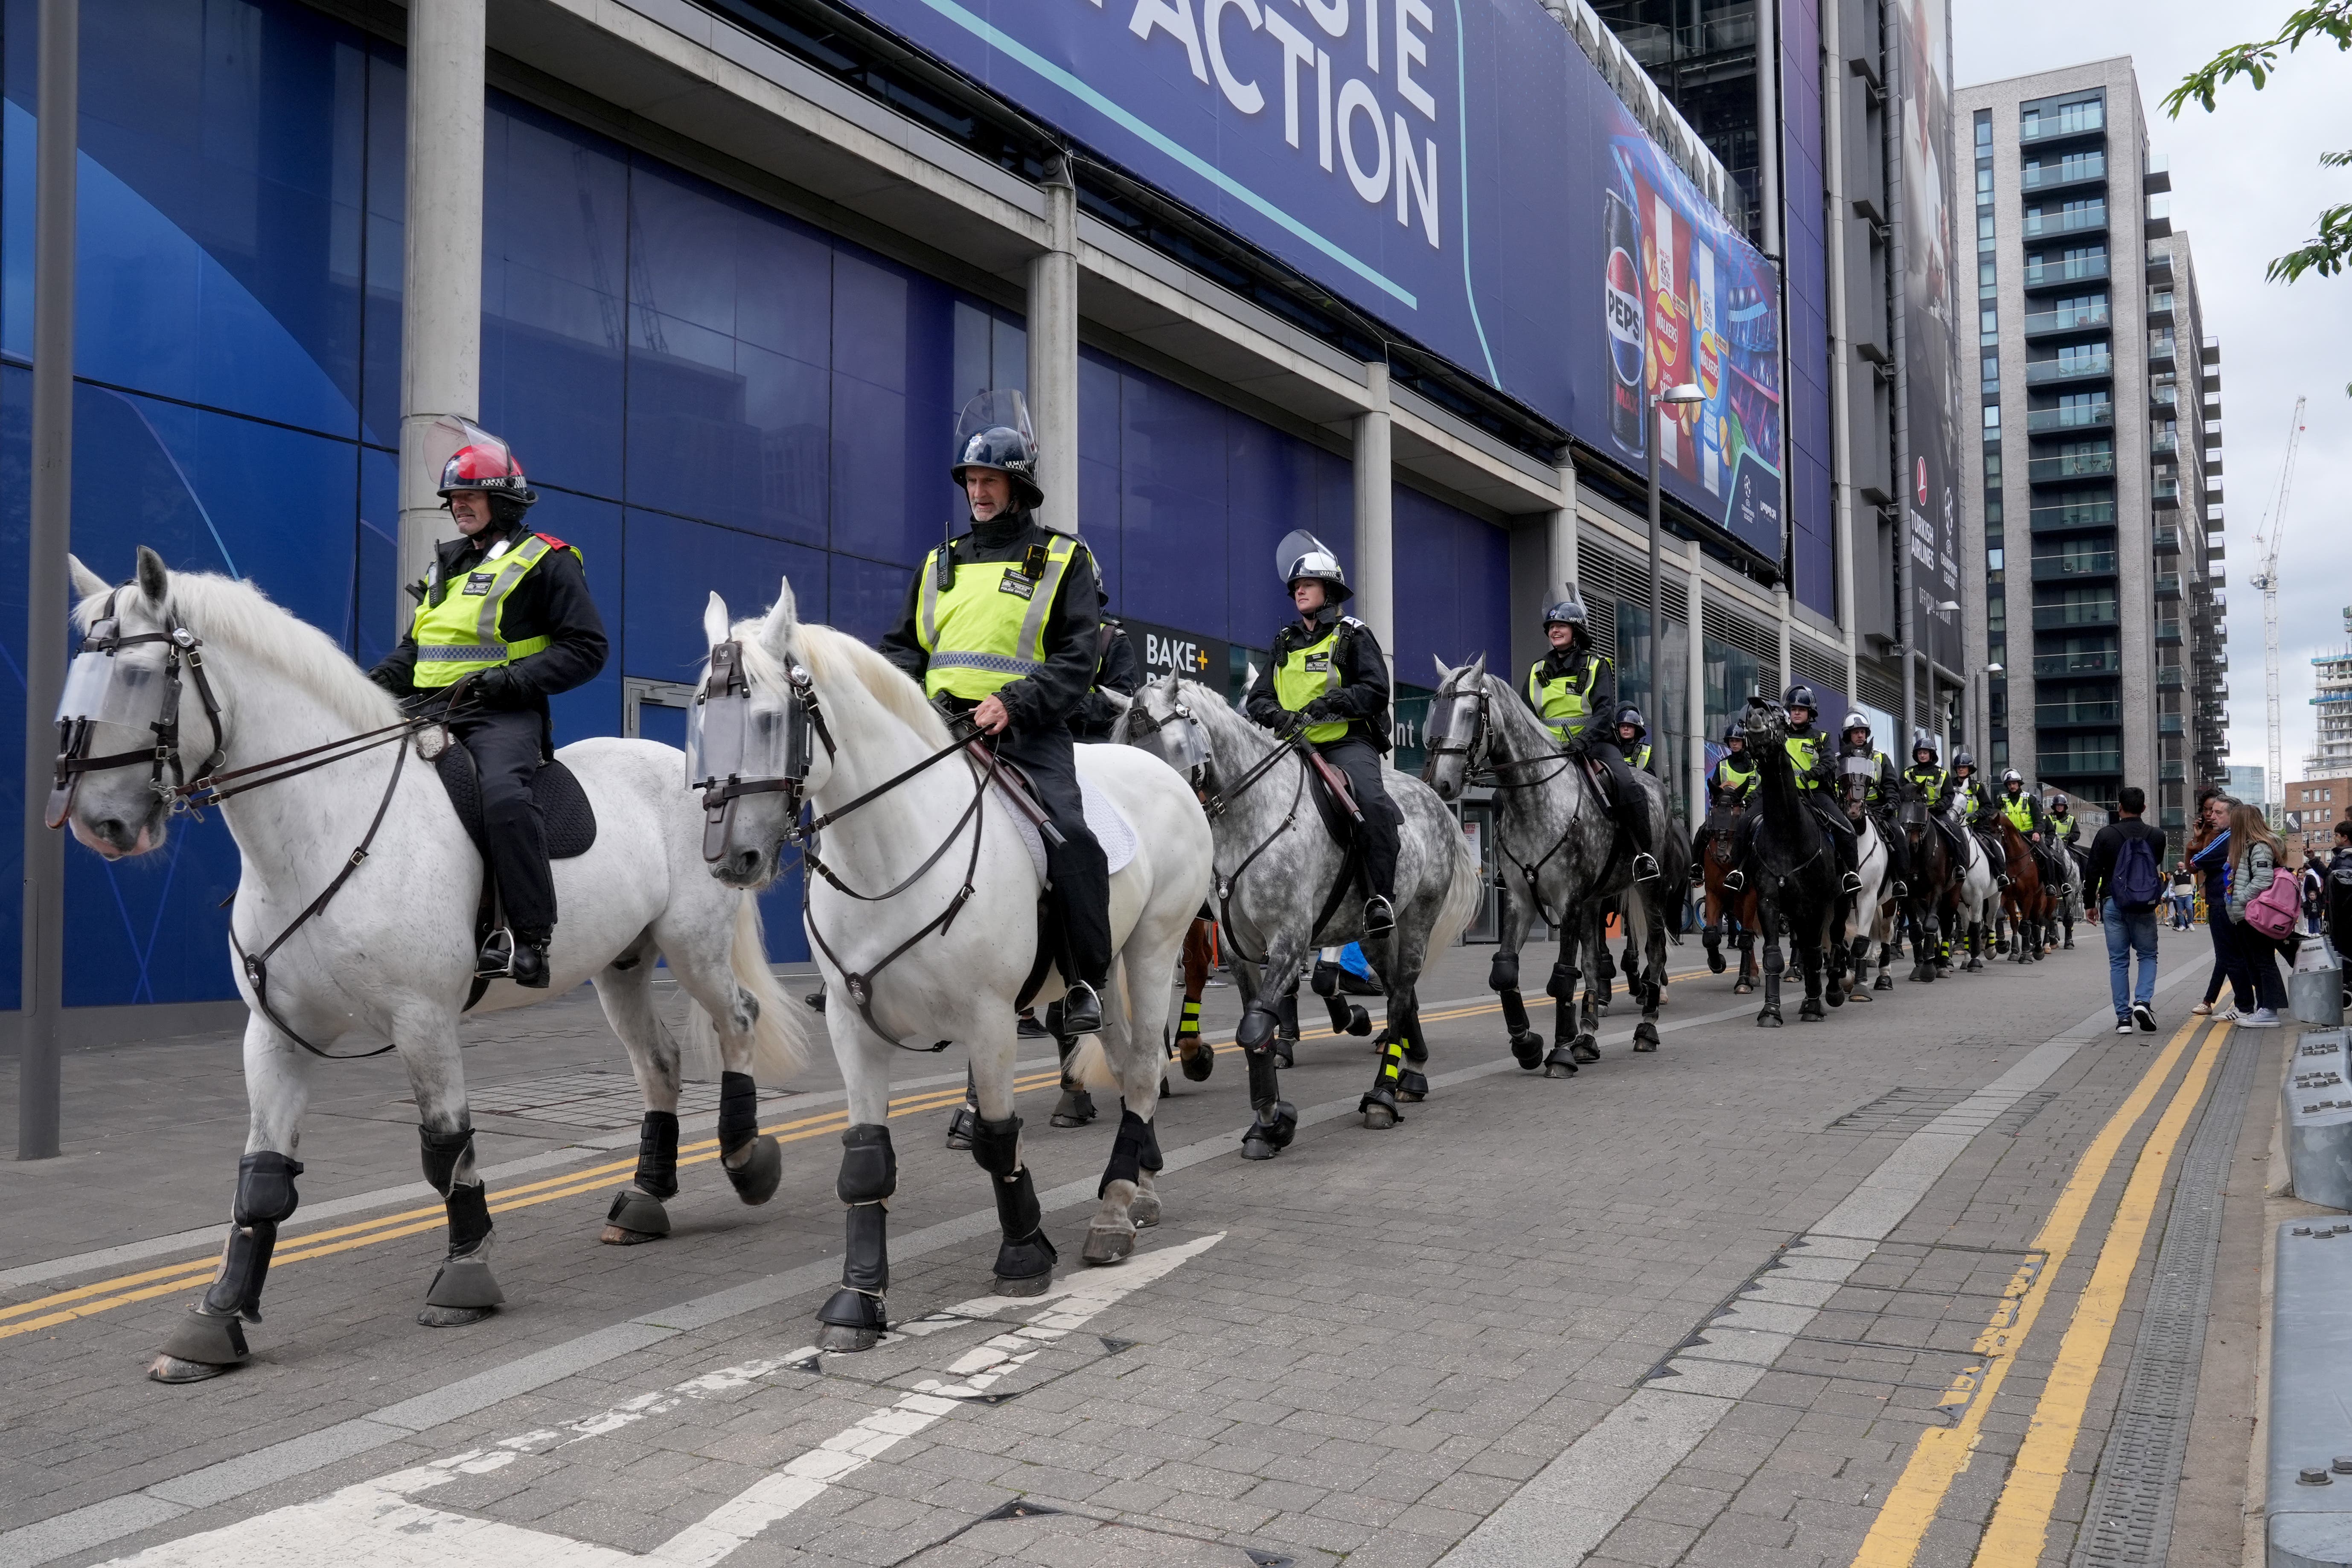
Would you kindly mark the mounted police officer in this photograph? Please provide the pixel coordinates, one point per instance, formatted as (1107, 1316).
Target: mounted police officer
(1331, 682)
(1002, 628)
(509, 608)
(1573, 689)
(1972, 804)
(2023, 809)
(1728, 784)
(1634, 738)
(2062, 826)
(1116, 669)
(1881, 786)
(2064, 833)
(1817, 781)
(1927, 779)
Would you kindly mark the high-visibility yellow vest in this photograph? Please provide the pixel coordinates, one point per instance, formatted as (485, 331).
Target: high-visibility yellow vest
(987, 628)
(1728, 779)
(1562, 697)
(1803, 753)
(2019, 809)
(1639, 761)
(459, 636)
(2062, 823)
(1927, 781)
(1307, 673)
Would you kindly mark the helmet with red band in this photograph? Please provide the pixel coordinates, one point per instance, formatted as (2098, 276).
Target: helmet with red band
(486, 464)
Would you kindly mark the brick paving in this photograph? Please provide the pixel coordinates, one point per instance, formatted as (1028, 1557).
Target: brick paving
(1396, 1332)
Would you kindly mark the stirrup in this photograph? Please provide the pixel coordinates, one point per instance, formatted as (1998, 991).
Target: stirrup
(1380, 916)
(496, 959)
(1736, 880)
(1850, 883)
(1081, 1010)
(1645, 867)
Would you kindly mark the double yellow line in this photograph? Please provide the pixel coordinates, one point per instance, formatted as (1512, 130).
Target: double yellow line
(87, 1301)
(2021, 1519)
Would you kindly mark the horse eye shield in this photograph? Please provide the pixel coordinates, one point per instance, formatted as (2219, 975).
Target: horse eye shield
(730, 736)
(103, 688)
(1180, 740)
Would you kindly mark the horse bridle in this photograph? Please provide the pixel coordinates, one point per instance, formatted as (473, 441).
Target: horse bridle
(1477, 754)
(803, 716)
(183, 648)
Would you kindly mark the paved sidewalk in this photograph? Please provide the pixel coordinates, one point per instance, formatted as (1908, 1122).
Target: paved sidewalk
(1367, 1348)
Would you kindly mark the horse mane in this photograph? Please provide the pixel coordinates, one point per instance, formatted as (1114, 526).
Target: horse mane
(834, 657)
(1505, 707)
(233, 613)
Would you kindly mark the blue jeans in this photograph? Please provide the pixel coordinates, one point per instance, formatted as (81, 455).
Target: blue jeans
(2127, 934)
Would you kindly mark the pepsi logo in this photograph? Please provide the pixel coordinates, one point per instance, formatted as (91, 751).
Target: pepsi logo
(1624, 311)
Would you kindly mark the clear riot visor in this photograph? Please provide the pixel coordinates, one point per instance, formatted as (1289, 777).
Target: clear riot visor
(1860, 767)
(1187, 746)
(105, 688)
(731, 737)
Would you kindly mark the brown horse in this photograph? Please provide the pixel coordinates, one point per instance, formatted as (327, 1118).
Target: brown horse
(2028, 904)
(1723, 836)
(1198, 1057)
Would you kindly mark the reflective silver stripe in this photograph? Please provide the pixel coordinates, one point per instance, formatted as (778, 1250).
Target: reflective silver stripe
(1032, 625)
(995, 663)
(517, 562)
(461, 653)
(927, 622)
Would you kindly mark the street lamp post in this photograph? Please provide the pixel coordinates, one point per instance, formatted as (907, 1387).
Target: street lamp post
(1687, 392)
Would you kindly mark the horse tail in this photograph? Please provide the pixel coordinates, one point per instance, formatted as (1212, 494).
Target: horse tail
(1462, 896)
(780, 1035)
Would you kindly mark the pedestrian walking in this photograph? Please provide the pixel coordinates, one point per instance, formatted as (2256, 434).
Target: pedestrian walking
(2337, 907)
(2262, 921)
(2184, 896)
(2124, 883)
(2209, 856)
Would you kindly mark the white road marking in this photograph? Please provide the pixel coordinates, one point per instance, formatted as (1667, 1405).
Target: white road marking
(376, 1523)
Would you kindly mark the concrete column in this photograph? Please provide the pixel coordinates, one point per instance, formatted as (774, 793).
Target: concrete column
(1375, 574)
(1559, 542)
(441, 288)
(1695, 771)
(1053, 353)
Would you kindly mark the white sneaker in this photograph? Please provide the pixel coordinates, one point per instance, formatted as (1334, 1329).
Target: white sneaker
(2225, 1015)
(2124, 1027)
(2263, 1019)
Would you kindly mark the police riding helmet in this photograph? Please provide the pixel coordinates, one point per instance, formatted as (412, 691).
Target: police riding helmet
(1301, 554)
(1734, 734)
(1009, 451)
(1628, 714)
(2057, 803)
(1569, 612)
(1856, 722)
(1802, 697)
(489, 466)
(1962, 760)
(1924, 741)
(2011, 776)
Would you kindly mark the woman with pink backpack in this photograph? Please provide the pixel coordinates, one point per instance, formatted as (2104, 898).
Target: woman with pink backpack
(2265, 906)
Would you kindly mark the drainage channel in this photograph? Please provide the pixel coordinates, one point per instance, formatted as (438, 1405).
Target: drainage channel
(2129, 1520)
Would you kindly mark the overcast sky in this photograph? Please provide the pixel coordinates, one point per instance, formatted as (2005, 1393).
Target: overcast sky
(2246, 187)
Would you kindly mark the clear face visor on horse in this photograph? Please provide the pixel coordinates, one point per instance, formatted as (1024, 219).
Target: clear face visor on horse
(736, 745)
(1183, 743)
(139, 692)
(1444, 725)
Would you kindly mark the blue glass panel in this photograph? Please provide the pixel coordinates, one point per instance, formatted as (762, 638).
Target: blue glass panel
(16, 485)
(594, 527)
(554, 245)
(868, 597)
(673, 564)
(893, 410)
(382, 611)
(1173, 504)
(1272, 488)
(1453, 594)
(385, 238)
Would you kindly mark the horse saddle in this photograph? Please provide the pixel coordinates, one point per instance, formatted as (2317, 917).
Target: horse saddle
(571, 821)
(1104, 820)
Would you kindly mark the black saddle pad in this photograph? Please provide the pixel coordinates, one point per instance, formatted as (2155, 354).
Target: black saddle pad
(563, 805)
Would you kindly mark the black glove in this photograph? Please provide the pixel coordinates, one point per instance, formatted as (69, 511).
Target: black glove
(1318, 712)
(500, 689)
(390, 679)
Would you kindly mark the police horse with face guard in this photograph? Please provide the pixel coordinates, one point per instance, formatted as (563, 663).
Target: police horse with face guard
(923, 880)
(355, 909)
(1564, 859)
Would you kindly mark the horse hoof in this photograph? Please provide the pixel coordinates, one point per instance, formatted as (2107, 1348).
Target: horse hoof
(1144, 1212)
(1769, 1018)
(1744, 988)
(1862, 996)
(452, 1317)
(1255, 1146)
(1412, 1086)
(635, 1217)
(172, 1369)
(1646, 1036)
(1359, 1021)
(1714, 961)
(1559, 1067)
(1526, 1049)
(1584, 1048)
(1108, 1246)
(1075, 1109)
(1885, 981)
(1199, 1062)
(1379, 1117)
(1033, 1285)
(1811, 1012)
(1283, 1052)
(842, 1339)
(763, 1171)
(621, 1235)
(1835, 997)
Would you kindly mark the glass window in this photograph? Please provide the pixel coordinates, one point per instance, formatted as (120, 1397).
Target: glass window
(1994, 559)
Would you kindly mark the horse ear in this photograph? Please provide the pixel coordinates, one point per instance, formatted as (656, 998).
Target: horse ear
(1479, 670)
(1119, 701)
(714, 624)
(1444, 671)
(154, 577)
(86, 584)
(783, 617)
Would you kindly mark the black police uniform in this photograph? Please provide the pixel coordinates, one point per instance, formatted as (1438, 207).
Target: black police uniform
(515, 735)
(1039, 741)
(1361, 699)
(1116, 669)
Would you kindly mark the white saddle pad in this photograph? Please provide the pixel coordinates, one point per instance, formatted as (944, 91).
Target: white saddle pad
(1111, 830)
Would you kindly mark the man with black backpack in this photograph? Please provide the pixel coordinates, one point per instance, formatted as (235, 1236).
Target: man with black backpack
(2126, 883)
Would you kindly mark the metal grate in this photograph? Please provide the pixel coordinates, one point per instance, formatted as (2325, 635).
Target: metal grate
(1812, 664)
(1630, 580)
(2131, 1516)
(1909, 1110)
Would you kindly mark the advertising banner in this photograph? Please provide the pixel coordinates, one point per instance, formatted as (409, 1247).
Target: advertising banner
(1164, 650)
(1460, 173)
(1931, 368)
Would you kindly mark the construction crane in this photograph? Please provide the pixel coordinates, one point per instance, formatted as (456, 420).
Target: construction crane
(2267, 539)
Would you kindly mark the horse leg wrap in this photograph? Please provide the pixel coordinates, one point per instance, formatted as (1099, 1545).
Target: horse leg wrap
(265, 1199)
(1277, 1120)
(1129, 1152)
(869, 1175)
(448, 1158)
(1379, 1104)
(1527, 1046)
(657, 1155)
(754, 1165)
(1025, 1253)
(464, 1279)
(1188, 1026)
(1562, 985)
(1503, 974)
(1257, 1026)
(1326, 979)
(1344, 1014)
(1289, 1016)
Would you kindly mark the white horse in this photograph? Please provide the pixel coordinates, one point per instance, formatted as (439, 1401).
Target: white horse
(1876, 914)
(922, 910)
(1979, 902)
(392, 953)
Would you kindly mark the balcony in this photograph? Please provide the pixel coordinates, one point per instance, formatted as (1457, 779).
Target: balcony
(2066, 318)
(2079, 764)
(2073, 120)
(2093, 612)
(2171, 772)
(2097, 366)
(2070, 466)
(2089, 218)
(2074, 566)
(2059, 273)
(2065, 517)
(2160, 306)
(2074, 170)
(2098, 413)
(2052, 666)
(2160, 349)
(2076, 715)
(2164, 444)
(2164, 399)
(2168, 679)
(2167, 541)
(2167, 585)
(2167, 633)
(2164, 492)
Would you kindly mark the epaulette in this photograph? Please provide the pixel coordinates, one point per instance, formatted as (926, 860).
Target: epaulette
(1350, 621)
(553, 542)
